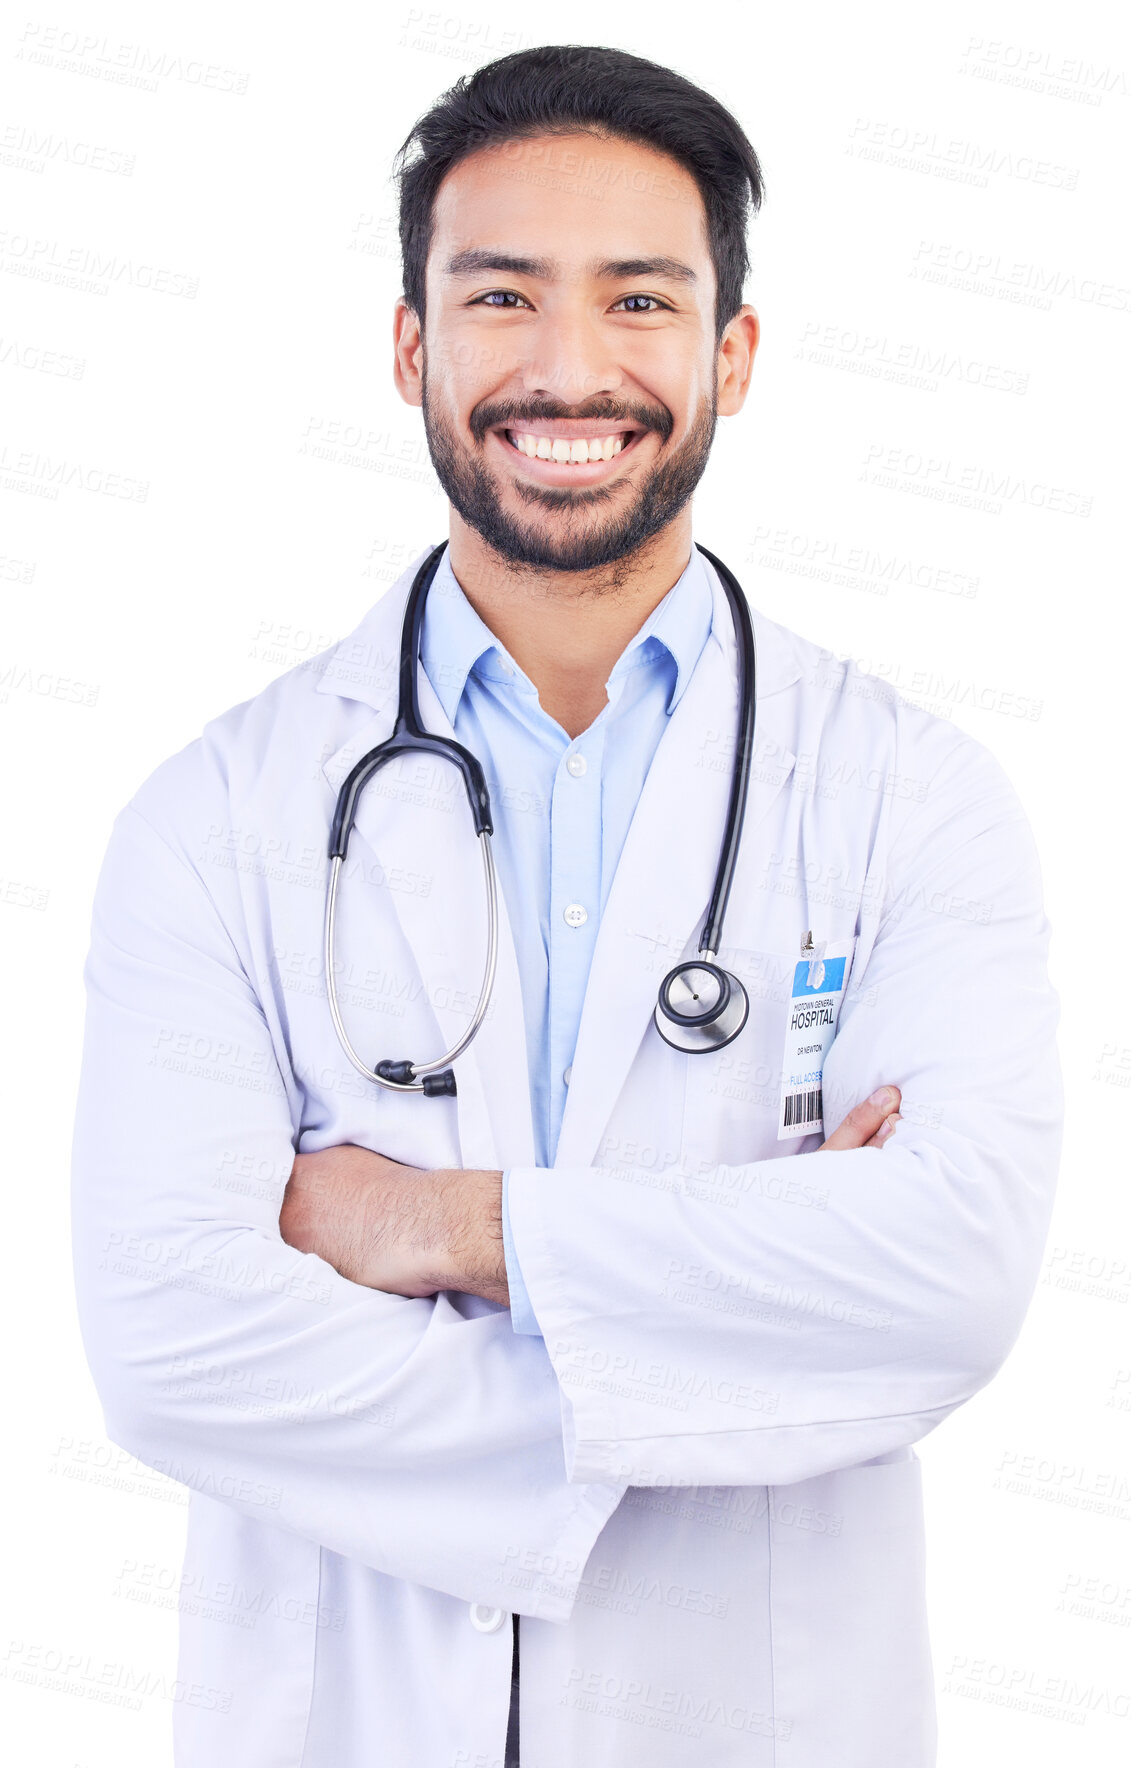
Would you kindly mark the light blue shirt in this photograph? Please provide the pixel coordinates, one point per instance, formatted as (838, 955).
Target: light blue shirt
(561, 810)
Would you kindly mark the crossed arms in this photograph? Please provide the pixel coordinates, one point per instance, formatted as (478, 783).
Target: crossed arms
(412, 1232)
(294, 1332)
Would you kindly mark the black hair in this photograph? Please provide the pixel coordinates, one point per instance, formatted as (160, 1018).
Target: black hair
(566, 88)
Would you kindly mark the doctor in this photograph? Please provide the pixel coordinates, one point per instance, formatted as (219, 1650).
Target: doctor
(569, 1417)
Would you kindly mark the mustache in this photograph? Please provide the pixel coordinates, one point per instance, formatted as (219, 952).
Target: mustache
(510, 413)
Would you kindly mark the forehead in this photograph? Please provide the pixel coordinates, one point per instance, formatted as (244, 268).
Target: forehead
(573, 199)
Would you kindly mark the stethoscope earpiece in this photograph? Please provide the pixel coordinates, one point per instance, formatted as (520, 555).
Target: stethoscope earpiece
(701, 1007)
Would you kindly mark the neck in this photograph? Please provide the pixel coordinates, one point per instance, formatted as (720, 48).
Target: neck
(566, 629)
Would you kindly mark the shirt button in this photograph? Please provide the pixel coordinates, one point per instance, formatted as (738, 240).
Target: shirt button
(576, 765)
(566, 1072)
(576, 914)
(486, 1620)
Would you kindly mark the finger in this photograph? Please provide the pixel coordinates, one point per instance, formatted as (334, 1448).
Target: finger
(879, 1140)
(864, 1120)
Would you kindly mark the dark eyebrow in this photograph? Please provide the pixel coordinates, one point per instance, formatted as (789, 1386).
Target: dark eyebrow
(619, 268)
(477, 259)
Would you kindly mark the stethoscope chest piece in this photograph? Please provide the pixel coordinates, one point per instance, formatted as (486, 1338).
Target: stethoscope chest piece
(701, 1007)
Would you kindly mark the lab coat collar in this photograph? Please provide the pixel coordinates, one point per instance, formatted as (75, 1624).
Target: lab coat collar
(363, 665)
(658, 896)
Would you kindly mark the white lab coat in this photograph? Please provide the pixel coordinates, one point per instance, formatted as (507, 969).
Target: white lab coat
(700, 1491)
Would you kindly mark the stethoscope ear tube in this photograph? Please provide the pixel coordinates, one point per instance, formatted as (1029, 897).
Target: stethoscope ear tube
(403, 743)
(408, 732)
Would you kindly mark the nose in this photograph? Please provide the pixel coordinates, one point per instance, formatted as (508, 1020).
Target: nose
(569, 360)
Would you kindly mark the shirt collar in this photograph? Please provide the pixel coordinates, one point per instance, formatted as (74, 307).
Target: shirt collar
(454, 638)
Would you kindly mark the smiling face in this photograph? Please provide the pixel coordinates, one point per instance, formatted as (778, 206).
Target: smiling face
(569, 370)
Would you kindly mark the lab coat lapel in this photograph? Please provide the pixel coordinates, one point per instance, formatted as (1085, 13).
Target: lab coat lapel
(659, 895)
(414, 821)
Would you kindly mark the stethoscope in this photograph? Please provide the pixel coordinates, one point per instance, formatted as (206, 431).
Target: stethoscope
(701, 1006)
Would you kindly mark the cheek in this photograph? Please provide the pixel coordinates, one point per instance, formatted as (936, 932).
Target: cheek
(468, 364)
(681, 387)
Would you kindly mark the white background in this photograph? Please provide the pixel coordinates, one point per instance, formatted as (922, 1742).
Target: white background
(170, 542)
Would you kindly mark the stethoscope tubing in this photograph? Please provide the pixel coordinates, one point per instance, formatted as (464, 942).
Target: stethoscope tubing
(744, 756)
(409, 735)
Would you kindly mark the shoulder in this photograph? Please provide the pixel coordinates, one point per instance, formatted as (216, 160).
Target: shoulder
(853, 726)
(851, 699)
(266, 737)
(264, 749)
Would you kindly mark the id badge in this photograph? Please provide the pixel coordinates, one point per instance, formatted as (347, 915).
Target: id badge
(817, 990)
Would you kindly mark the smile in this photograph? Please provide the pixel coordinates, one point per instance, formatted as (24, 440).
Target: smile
(561, 448)
(555, 456)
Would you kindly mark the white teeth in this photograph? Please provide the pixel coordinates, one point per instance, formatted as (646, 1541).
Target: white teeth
(557, 448)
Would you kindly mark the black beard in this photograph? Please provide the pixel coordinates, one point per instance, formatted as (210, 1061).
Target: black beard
(661, 497)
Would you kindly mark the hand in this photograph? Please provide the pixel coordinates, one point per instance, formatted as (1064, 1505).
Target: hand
(403, 1229)
(868, 1125)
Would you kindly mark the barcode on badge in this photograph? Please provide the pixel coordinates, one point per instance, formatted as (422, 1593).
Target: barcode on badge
(801, 1108)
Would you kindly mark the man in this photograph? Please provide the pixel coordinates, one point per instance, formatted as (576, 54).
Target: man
(569, 1418)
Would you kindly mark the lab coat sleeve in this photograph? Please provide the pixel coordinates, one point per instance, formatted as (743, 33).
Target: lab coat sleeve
(522, 1315)
(393, 1430)
(810, 1313)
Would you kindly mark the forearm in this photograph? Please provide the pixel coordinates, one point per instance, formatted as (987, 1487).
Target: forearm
(398, 1228)
(786, 1317)
(470, 1213)
(776, 1319)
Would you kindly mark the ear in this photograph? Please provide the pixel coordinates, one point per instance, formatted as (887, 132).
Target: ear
(408, 354)
(736, 360)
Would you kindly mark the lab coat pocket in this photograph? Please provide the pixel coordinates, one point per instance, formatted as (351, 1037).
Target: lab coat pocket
(249, 1620)
(852, 1671)
(735, 1097)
